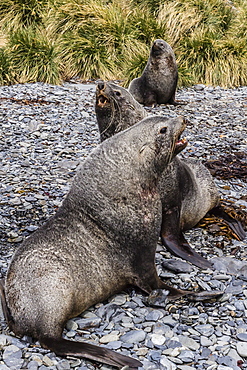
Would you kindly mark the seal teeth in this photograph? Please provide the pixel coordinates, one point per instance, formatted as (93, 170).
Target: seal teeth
(102, 100)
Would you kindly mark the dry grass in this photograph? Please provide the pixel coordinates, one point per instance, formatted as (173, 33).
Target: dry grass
(49, 40)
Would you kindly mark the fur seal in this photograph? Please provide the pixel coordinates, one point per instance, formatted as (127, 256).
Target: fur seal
(102, 239)
(158, 82)
(116, 109)
(187, 189)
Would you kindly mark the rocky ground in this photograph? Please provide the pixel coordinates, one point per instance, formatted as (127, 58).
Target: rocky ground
(46, 131)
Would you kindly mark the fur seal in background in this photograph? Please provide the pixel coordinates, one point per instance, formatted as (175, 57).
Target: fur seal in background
(158, 82)
(187, 188)
(102, 239)
(116, 109)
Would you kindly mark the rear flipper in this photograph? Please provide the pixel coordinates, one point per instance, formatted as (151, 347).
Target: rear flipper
(173, 239)
(234, 225)
(63, 347)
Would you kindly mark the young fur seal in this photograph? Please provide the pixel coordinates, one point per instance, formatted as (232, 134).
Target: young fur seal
(158, 82)
(102, 239)
(116, 109)
(187, 188)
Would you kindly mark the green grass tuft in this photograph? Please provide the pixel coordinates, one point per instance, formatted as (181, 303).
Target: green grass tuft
(6, 72)
(34, 57)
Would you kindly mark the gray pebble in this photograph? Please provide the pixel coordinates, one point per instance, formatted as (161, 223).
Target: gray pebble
(134, 336)
(242, 349)
(242, 337)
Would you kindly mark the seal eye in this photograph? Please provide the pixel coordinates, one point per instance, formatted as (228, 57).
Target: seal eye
(163, 130)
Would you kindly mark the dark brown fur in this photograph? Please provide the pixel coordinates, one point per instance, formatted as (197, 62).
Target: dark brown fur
(116, 109)
(102, 239)
(158, 82)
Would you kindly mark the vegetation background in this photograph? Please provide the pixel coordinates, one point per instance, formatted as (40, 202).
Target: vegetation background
(56, 40)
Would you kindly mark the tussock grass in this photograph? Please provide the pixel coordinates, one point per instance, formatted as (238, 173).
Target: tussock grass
(209, 39)
(33, 56)
(51, 40)
(16, 14)
(6, 73)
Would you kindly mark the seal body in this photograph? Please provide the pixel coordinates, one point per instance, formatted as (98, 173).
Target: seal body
(188, 186)
(116, 109)
(102, 239)
(158, 82)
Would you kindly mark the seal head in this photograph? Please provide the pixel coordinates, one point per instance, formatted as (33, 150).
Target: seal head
(116, 109)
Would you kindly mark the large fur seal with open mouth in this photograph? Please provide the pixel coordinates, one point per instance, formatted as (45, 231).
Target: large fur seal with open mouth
(187, 188)
(102, 239)
(158, 82)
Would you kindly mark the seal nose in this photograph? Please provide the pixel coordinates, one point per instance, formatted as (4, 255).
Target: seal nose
(101, 85)
(158, 44)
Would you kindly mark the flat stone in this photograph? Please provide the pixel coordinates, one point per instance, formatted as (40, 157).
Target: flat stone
(115, 344)
(242, 349)
(48, 361)
(186, 356)
(160, 328)
(158, 339)
(63, 365)
(205, 342)
(71, 325)
(177, 266)
(88, 323)
(32, 365)
(134, 336)
(242, 337)
(119, 299)
(112, 337)
(205, 330)
(189, 342)
(167, 364)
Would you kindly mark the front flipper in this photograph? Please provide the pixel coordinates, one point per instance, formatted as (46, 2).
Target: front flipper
(234, 225)
(160, 297)
(159, 291)
(173, 239)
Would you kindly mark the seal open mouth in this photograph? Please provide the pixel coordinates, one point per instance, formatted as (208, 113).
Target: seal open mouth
(102, 101)
(180, 144)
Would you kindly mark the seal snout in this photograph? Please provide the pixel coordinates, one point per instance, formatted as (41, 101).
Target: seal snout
(158, 46)
(101, 98)
(180, 143)
(101, 86)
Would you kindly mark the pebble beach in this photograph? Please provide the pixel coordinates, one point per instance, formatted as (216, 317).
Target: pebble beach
(46, 131)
